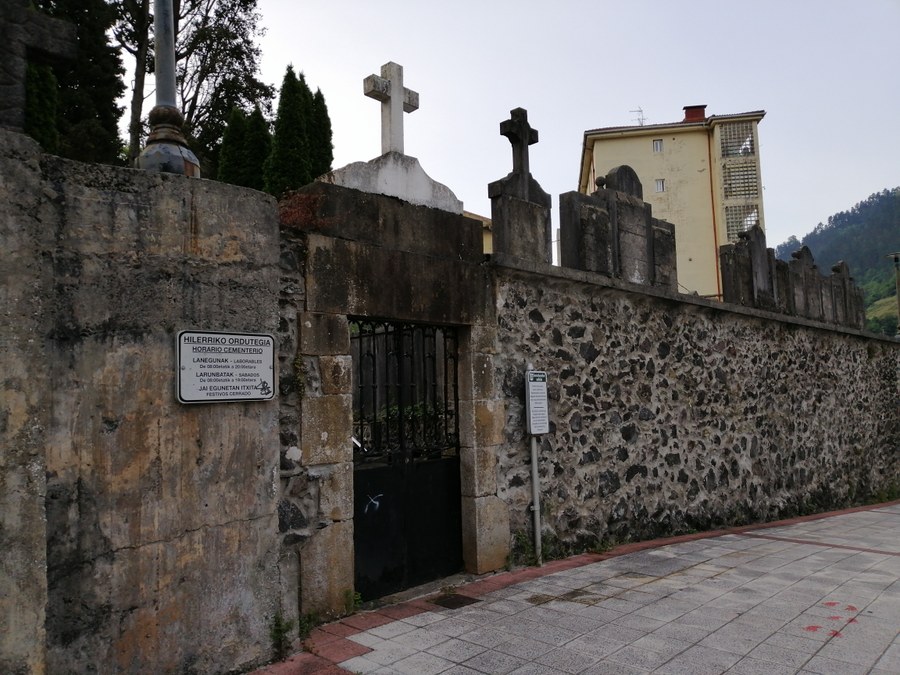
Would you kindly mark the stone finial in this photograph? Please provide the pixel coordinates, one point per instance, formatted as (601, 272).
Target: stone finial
(519, 182)
(25, 32)
(395, 100)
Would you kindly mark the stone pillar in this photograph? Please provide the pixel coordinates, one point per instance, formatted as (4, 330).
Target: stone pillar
(485, 517)
(25, 33)
(324, 365)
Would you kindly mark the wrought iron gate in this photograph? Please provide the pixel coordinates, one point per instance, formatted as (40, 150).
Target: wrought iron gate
(407, 522)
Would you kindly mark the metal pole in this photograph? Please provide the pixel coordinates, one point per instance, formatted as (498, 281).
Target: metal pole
(166, 150)
(164, 32)
(536, 500)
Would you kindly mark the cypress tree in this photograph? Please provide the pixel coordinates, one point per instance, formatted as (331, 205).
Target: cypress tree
(88, 116)
(288, 165)
(321, 147)
(257, 145)
(245, 147)
(231, 154)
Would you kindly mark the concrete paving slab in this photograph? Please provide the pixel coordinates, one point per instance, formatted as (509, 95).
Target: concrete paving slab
(816, 595)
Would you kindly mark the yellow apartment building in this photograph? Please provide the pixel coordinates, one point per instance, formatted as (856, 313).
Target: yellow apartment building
(701, 174)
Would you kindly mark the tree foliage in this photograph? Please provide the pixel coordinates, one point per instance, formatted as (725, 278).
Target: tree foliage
(862, 237)
(41, 106)
(217, 62)
(245, 147)
(217, 65)
(299, 151)
(321, 148)
(132, 31)
(87, 114)
(289, 164)
(257, 146)
(231, 154)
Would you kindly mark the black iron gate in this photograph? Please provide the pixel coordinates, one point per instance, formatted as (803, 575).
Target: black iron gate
(407, 522)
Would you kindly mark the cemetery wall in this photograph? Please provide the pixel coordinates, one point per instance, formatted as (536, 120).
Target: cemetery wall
(136, 530)
(671, 413)
(153, 536)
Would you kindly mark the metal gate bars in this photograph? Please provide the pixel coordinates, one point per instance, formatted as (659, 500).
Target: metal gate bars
(406, 485)
(405, 391)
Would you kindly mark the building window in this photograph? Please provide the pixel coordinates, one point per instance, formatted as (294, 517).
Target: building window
(740, 219)
(660, 184)
(737, 139)
(657, 145)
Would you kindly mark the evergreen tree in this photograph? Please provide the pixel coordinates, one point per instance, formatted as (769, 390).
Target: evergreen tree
(321, 148)
(245, 147)
(257, 146)
(288, 165)
(87, 115)
(41, 105)
(231, 154)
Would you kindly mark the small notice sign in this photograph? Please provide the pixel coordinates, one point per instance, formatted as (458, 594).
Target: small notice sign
(536, 402)
(225, 367)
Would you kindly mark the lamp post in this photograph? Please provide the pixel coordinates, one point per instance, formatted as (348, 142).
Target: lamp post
(166, 150)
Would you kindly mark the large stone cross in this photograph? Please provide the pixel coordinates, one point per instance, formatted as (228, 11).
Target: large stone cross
(25, 32)
(520, 135)
(395, 100)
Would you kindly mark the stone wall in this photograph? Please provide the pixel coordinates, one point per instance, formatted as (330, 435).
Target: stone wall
(150, 536)
(672, 414)
(137, 533)
(752, 277)
(348, 253)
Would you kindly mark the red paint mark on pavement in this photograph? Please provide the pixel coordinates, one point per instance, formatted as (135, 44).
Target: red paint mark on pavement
(812, 629)
(851, 608)
(835, 633)
(831, 604)
(834, 618)
(853, 621)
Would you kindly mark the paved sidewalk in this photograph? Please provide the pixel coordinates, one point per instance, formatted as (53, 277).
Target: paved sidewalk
(811, 595)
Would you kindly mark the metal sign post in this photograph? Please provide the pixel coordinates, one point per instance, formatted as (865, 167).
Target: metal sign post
(538, 419)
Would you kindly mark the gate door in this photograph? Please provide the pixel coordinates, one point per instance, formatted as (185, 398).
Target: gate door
(407, 526)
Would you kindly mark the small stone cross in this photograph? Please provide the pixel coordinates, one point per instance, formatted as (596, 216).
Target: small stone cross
(395, 100)
(25, 32)
(520, 135)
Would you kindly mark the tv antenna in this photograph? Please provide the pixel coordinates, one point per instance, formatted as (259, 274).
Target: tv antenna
(640, 119)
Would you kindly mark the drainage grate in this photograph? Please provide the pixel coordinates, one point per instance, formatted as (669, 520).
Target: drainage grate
(452, 600)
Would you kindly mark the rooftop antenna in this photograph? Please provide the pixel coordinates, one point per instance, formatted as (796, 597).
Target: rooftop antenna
(640, 119)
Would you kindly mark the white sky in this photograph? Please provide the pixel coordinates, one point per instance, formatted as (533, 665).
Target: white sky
(825, 72)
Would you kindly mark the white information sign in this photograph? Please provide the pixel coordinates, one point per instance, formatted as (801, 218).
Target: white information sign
(536, 402)
(225, 367)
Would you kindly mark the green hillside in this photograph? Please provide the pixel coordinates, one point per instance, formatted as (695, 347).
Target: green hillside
(862, 237)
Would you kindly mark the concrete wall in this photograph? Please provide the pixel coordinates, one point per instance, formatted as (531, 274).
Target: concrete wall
(672, 414)
(137, 532)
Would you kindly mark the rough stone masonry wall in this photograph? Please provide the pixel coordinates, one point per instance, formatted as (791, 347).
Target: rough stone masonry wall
(671, 415)
(137, 534)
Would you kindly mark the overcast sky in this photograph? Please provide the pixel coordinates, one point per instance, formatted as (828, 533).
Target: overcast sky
(825, 72)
